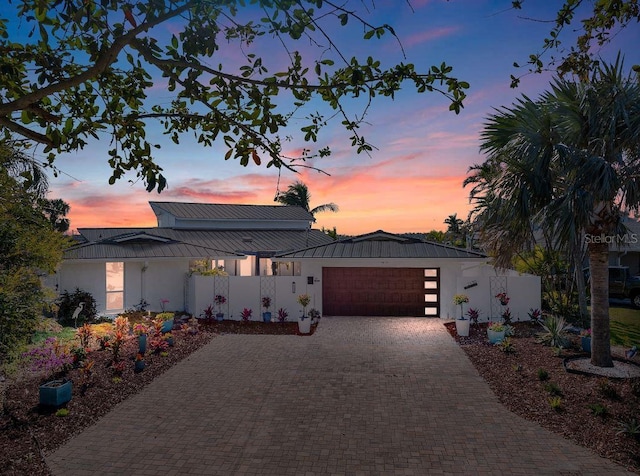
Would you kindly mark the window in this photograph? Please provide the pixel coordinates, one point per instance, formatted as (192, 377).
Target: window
(115, 286)
(287, 268)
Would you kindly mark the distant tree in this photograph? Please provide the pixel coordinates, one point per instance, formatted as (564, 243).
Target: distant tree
(453, 224)
(298, 195)
(333, 233)
(436, 236)
(55, 211)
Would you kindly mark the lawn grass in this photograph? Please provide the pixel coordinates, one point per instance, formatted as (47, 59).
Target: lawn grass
(625, 326)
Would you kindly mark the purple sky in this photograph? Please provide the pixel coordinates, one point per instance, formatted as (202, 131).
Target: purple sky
(412, 182)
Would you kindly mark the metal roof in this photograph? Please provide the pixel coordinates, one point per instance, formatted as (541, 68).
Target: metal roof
(107, 243)
(381, 244)
(218, 211)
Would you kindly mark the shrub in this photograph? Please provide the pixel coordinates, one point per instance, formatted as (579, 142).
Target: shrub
(62, 412)
(630, 427)
(555, 332)
(282, 315)
(68, 303)
(506, 346)
(607, 390)
(543, 375)
(556, 403)
(598, 409)
(553, 389)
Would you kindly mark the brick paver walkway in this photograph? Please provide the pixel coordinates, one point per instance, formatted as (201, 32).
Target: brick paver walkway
(363, 396)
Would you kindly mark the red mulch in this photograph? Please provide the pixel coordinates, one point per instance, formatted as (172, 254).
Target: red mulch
(513, 377)
(27, 431)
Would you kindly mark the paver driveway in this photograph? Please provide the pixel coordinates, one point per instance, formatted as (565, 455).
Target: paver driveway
(362, 396)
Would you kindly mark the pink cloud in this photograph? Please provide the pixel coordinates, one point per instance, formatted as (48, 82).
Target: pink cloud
(428, 35)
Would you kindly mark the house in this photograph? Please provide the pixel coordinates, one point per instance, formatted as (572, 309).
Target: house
(121, 267)
(273, 251)
(624, 250)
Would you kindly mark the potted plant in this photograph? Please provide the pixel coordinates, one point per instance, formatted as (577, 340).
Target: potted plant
(208, 313)
(304, 322)
(585, 340)
(266, 303)
(495, 332)
(219, 299)
(167, 321)
(53, 360)
(503, 298)
(139, 363)
(140, 330)
(462, 324)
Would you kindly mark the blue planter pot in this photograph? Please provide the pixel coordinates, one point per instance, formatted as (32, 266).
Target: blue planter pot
(142, 343)
(167, 326)
(220, 317)
(495, 337)
(55, 393)
(586, 344)
(139, 366)
(266, 316)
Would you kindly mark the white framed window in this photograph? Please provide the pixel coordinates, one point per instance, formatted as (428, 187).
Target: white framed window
(115, 286)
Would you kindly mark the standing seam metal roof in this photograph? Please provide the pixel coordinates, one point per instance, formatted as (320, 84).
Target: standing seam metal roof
(381, 244)
(218, 211)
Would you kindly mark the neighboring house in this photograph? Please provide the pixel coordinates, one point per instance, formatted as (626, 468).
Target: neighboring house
(272, 251)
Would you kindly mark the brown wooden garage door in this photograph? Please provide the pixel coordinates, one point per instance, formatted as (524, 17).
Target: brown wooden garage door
(380, 292)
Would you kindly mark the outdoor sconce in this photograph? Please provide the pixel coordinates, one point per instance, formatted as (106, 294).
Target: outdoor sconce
(293, 287)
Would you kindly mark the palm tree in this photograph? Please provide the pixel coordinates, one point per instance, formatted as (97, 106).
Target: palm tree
(454, 223)
(565, 165)
(26, 170)
(297, 195)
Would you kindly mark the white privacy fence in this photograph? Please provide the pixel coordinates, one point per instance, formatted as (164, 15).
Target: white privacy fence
(247, 292)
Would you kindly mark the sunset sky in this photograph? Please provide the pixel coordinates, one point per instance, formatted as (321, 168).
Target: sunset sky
(412, 182)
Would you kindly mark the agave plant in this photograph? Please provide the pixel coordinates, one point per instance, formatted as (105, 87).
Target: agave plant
(555, 332)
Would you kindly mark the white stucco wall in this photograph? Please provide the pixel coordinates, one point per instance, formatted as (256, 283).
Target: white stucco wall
(163, 279)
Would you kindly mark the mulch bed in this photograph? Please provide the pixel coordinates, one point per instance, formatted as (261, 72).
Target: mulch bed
(514, 379)
(28, 432)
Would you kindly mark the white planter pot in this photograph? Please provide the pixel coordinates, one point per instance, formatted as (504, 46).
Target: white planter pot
(304, 325)
(462, 327)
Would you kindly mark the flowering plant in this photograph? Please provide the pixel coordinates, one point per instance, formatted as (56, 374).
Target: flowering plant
(304, 300)
(585, 333)
(266, 302)
(459, 299)
(246, 314)
(219, 299)
(140, 329)
(50, 358)
(496, 326)
(504, 299)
